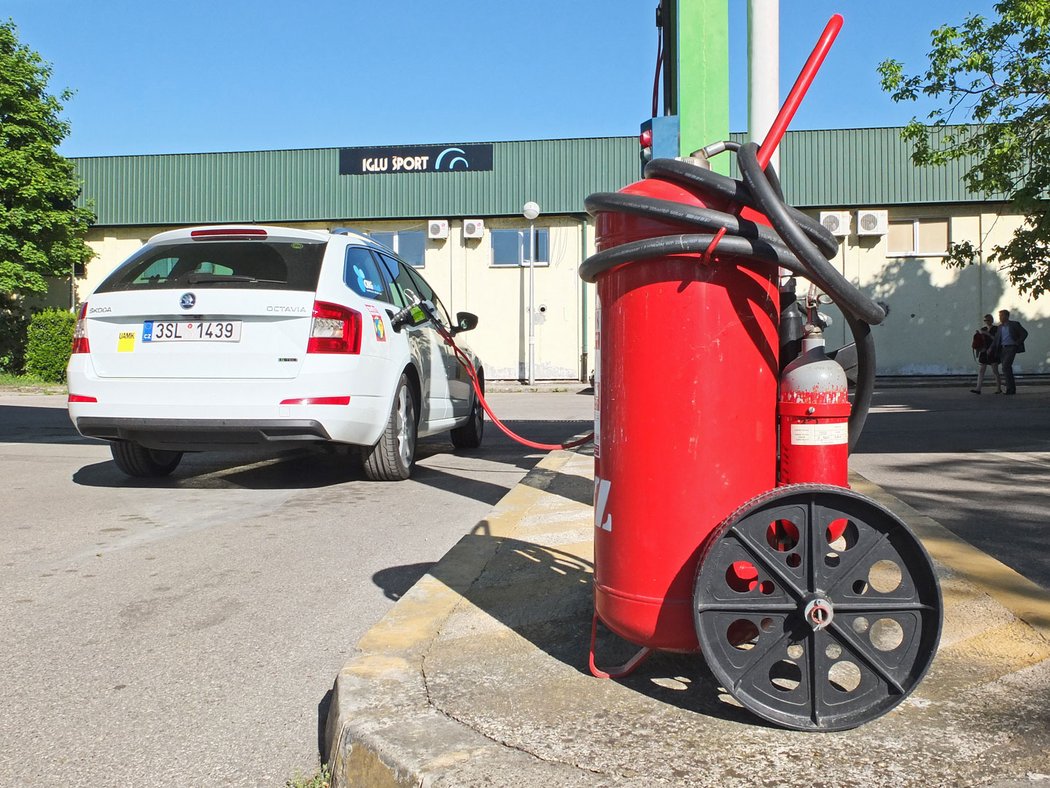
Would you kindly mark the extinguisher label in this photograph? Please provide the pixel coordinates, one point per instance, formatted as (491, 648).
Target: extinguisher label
(819, 434)
(602, 488)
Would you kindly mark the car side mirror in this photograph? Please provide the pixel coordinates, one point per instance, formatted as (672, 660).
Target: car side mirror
(465, 321)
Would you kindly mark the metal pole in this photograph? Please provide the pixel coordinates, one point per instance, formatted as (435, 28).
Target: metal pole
(532, 303)
(763, 64)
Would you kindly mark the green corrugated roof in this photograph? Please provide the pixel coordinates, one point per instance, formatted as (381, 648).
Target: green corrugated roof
(837, 168)
(846, 168)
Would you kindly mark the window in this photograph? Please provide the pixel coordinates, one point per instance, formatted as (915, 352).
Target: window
(918, 237)
(362, 274)
(403, 292)
(242, 265)
(158, 269)
(428, 294)
(410, 288)
(511, 247)
(409, 245)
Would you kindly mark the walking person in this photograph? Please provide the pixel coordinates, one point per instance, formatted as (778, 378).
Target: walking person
(1009, 341)
(983, 340)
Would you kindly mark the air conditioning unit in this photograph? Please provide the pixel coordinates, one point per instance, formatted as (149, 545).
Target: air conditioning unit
(437, 228)
(473, 228)
(836, 222)
(872, 223)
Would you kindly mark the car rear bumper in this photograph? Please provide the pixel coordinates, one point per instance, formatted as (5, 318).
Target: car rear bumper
(200, 434)
(216, 413)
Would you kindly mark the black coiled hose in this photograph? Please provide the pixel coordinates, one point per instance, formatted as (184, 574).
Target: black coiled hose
(795, 242)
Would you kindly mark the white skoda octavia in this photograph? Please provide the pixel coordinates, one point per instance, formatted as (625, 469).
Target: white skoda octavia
(217, 337)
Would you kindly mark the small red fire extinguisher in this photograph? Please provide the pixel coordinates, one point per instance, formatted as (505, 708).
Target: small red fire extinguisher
(814, 413)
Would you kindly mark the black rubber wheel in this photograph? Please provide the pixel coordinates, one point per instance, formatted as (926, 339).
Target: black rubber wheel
(469, 435)
(816, 608)
(391, 459)
(136, 460)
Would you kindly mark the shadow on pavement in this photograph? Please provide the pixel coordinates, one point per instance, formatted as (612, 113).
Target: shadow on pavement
(37, 425)
(545, 595)
(396, 580)
(266, 467)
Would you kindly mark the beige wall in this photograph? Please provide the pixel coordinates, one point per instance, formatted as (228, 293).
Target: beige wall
(934, 310)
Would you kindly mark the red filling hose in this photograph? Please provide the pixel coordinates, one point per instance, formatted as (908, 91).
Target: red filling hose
(469, 367)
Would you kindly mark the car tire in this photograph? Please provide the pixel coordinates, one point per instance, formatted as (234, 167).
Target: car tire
(392, 458)
(136, 460)
(469, 435)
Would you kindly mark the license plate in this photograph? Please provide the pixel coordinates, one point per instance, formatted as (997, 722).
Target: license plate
(191, 331)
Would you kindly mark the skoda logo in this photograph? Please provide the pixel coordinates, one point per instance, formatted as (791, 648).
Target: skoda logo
(187, 300)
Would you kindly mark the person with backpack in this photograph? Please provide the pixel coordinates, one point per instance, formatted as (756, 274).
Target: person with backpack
(983, 340)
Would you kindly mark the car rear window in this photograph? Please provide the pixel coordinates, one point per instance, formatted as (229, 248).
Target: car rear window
(258, 265)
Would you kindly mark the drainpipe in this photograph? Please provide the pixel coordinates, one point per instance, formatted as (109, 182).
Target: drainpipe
(584, 323)
(980, 263)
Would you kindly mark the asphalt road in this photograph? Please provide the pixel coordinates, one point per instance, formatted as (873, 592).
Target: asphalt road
(979, 465)
(187, 631)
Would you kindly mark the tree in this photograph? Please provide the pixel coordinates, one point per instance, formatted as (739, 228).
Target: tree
(992, 79)
(41, 228)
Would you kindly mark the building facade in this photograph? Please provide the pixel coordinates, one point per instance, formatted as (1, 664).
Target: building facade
(455, 211)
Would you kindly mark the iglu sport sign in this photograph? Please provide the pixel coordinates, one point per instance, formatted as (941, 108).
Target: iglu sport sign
(416, 158)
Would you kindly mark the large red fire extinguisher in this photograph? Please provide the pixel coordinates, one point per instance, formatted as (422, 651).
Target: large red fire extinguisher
(710, 533)
(686, 388)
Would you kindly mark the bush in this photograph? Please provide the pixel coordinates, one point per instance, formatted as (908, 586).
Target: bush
(13, 323)
(50, 338)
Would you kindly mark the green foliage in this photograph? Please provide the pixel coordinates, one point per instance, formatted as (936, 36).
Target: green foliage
(29, 383)
(322, 779)
(993, 77)
(50, 339)
(13, 323)
(41, 228)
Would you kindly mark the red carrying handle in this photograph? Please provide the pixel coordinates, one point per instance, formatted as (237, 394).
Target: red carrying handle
(798, 90)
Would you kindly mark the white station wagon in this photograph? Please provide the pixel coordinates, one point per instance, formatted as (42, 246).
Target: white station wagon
(217, 337)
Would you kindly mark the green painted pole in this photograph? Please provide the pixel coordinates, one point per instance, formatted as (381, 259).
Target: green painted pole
(703, 76)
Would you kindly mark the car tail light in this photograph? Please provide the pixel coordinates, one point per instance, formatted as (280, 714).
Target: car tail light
(80, 336)
(336, 329)
(228, 233)
(82, 398)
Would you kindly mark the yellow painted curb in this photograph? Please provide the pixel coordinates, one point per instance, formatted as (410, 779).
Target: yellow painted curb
(1025, 599)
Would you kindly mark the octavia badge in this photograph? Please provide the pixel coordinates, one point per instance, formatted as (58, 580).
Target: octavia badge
(187, 300)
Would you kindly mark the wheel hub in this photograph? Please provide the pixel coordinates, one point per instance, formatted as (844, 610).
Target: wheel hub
(818, 612)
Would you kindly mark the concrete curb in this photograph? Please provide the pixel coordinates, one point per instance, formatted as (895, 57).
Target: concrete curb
(384, 728)
(381, 728)
(1025, 599)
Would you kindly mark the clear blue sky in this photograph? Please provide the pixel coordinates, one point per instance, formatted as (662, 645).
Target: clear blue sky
(230, 75)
